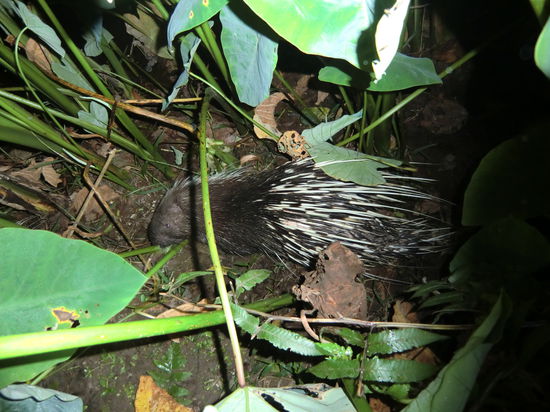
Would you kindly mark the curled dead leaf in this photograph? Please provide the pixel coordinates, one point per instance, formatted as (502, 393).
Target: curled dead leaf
(264, 114)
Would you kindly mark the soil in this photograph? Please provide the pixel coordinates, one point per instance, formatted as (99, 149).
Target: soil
(447, 129)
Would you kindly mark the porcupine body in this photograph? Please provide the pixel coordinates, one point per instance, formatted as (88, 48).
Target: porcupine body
(295, 210)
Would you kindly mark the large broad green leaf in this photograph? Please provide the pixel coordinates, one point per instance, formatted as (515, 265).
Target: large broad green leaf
(512, 180)
(191, 13)
(449, 391)
(251, 55)
(404, 72)
(48, 282)
(340, 29)
(302, 398)
(29, 398)
(542, 49)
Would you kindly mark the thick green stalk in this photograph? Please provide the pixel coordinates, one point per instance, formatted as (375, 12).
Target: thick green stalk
(39, 343)
(209, 39)
(209, 227)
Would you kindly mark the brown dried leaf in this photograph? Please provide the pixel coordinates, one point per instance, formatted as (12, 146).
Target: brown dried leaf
(184, 310)
(264, 114)
(94, 209)
(151, 398)
(302, 84)
(38, 54)
(31, 173)
(402, 312)
(49, 173)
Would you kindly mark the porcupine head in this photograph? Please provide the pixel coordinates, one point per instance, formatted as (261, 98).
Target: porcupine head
(179, 215)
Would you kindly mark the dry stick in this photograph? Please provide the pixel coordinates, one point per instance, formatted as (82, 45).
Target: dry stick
(159, 101)
(93, 187)
(70, 230)
(305, 323)
(360, 323)
(124, 106)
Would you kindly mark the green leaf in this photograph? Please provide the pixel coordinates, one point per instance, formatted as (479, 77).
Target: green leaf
(38, 27)
(542, 50)
(336, 369)
(388, 35)
(324, 131)
(404, 72)
(29, 398)
(334, 350)
(170, 374)
(505, 249)
(188, 46)
(191, 13)
(250, 52)
(511, 180)
(302, 398)
(278, 337)
(97, 115)
(352, 337)
(399, 340)
(68, 73)
(48, 282)
(334, 29)
(450, 390)
(398, 392)
(250, 279)
(396, 370)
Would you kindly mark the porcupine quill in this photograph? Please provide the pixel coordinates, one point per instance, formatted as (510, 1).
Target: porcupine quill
(294, 211)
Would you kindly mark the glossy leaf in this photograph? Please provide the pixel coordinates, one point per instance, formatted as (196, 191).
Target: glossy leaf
(298, 398)
(191, 13)
(542, 50)
(334, 29)
(399, 340)
(48, 282)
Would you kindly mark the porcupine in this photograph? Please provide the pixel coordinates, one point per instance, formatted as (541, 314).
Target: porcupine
(294, 211)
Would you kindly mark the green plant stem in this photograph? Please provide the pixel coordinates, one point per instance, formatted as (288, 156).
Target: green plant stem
(39, 125)
(118, 68)
(209, 228)
(363, 120)
(162, 10)
(171, 253)
(209, 39)
(199, 62)
(140, 251)
(121, 115)
(347, 100)
(468, 56)
(27, 344)
(237, 108)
